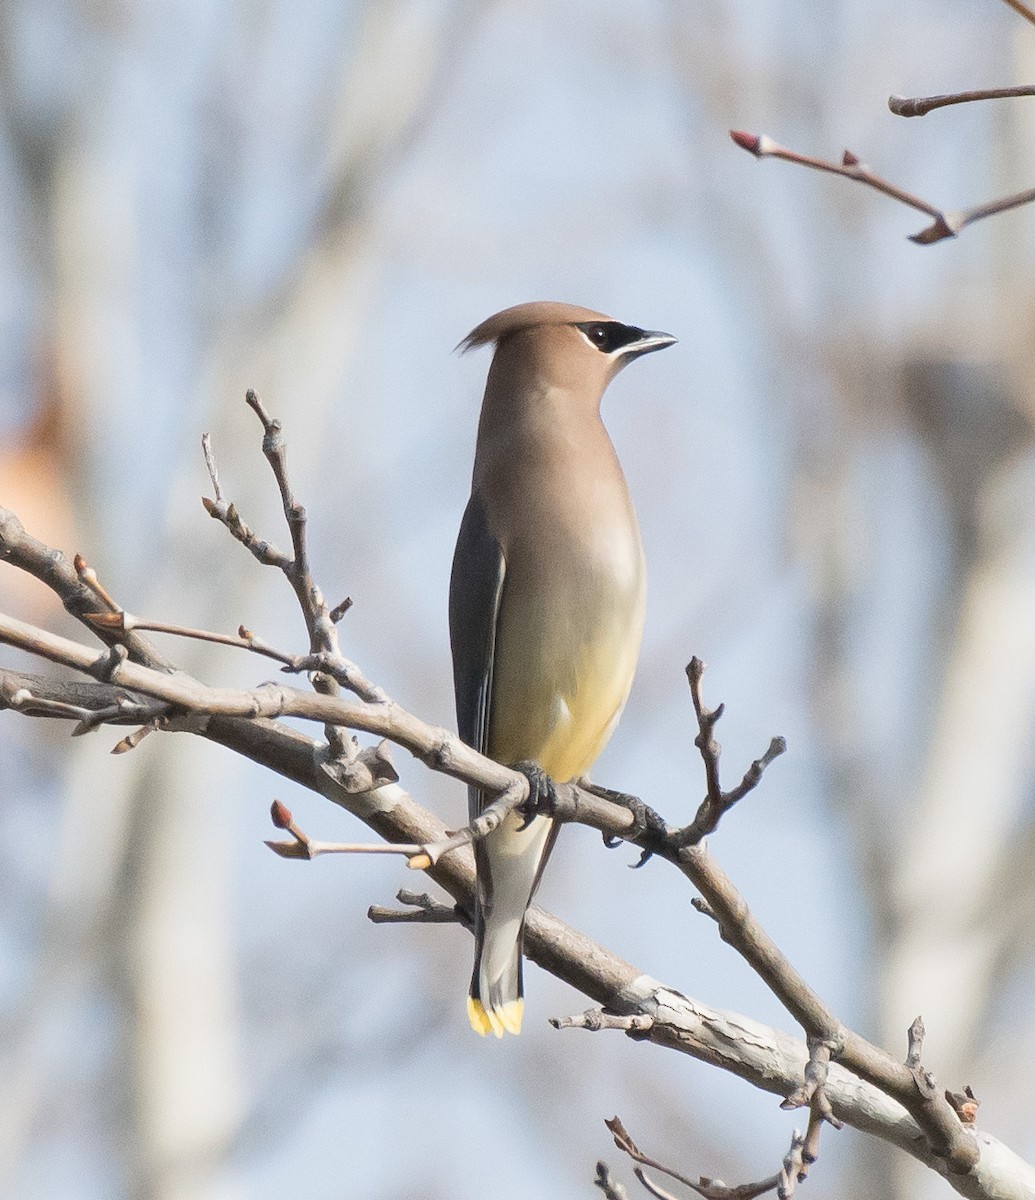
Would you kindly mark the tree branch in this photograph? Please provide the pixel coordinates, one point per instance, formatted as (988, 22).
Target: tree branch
(945, 224)
(920, 106)
(838, 1075)
(443, 752)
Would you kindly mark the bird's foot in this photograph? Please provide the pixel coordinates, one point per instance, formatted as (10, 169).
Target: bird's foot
(647, 824)
(542, 793)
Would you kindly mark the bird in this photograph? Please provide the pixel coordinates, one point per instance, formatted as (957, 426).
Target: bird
(546, 599)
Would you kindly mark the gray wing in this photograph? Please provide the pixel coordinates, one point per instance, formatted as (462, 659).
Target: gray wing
(475, 589)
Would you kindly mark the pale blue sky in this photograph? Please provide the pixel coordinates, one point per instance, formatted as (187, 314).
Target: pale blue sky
(573, 151)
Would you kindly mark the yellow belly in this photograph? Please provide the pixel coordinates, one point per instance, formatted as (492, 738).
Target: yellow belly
(564, 728)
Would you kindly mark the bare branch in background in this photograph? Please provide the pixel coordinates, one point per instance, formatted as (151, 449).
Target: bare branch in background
(612, 1189)
(920, 106)
(711, 1189)
(945, 224)
(1022, 9)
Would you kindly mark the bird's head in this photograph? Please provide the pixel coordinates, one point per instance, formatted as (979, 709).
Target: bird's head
(561, 346)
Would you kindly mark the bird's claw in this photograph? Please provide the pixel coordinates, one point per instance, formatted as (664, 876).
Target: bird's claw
(542, 794)
(651, 826)
(646, 822)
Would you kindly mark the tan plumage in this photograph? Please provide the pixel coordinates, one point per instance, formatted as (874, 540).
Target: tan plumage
(546, 597)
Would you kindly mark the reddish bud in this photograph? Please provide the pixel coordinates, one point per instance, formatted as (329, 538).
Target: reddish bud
(746, 141)
(280, 815)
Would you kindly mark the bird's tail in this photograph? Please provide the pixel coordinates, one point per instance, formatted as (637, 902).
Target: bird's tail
(496, 1001)
(509, 861)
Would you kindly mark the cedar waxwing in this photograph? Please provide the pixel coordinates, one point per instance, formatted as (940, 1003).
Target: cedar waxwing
(546, 599)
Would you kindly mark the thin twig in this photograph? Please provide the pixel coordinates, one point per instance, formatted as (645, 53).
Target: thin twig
(945, 223)
(916, 1036)
(920, 106)
(90, 705)
(244, 640)
(310, 849)
(810, 1147)
(24, 701)
(322, 662)
(423, 911)
(595, 1019)
(419, 857)
(850, 166)
(225, 512)
(303, 846)
(612, 1189)
(1022, 9)
(26, 553)
(652, 1186)
(812, 1092)
(320, 623)
(716, 802)
(132, 740)
(274, 448)
(711, 1189)
(793, 1170)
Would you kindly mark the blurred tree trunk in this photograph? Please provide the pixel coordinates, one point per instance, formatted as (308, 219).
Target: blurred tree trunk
(145, 354)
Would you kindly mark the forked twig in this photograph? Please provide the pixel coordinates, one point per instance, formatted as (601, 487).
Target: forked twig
(716, 801)
(944, 224)
(320, 621)
(711, 1189)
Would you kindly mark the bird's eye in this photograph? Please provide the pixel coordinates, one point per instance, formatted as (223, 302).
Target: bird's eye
(608, 336)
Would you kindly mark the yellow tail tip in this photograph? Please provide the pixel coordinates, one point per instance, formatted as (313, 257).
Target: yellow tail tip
(504, 1019)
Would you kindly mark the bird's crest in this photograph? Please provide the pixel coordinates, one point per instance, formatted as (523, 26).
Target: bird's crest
(526, 316)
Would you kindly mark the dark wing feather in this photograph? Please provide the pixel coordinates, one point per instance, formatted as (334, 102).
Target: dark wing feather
(475, 589)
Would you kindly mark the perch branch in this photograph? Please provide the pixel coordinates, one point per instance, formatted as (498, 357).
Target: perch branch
(766, 1058)
(245, 720)
(443, 752)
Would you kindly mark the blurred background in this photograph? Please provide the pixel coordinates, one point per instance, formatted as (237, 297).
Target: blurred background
(833, 471)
